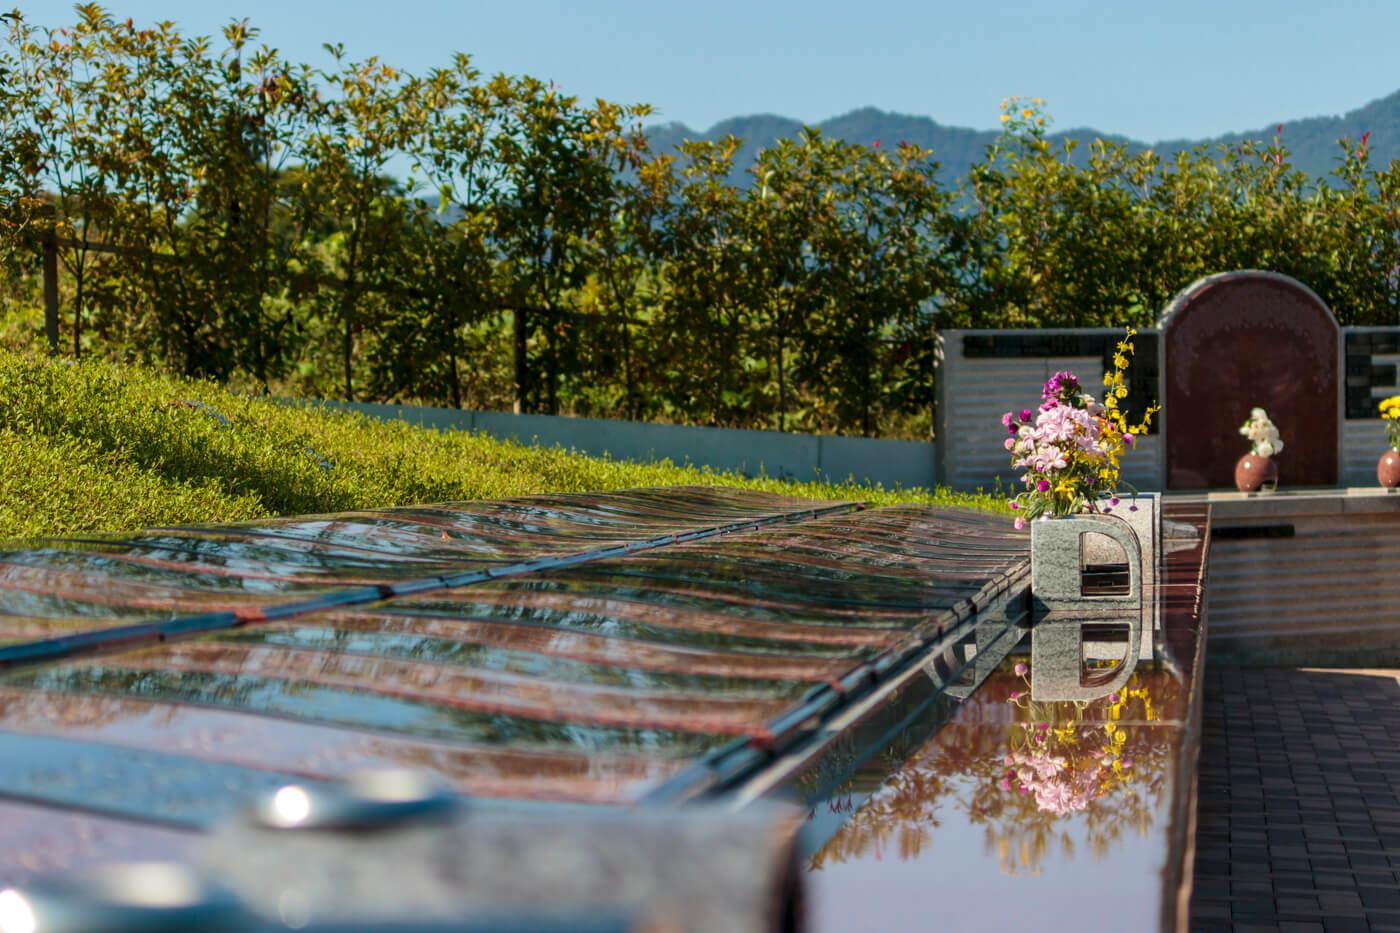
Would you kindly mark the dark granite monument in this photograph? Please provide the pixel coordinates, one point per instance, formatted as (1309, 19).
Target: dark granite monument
(1240, 340)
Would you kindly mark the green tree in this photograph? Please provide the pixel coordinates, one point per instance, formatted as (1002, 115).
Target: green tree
(358, 130)
(703, 333)
(64, 84)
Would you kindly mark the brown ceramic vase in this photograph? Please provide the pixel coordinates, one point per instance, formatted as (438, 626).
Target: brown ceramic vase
(1388, 469)
(1253, 473)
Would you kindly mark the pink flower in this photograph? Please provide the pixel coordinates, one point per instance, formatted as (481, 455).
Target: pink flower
(1010, 443)
(1114, 697)
(1021, 670)
(1020, 524)
(1050, 458)
(1113, 501)
(1025, 414)
(1014, 504)
(1006, 783)
(1129, 439)
(1042, 486)
(1015, 694)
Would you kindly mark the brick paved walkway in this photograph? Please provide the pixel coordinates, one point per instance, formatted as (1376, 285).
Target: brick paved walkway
(1299, 823)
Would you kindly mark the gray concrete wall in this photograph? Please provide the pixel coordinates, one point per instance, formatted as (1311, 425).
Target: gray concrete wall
(973, 394)
(778, 454)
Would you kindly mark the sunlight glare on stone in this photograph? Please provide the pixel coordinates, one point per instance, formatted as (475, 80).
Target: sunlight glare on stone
(15, 914)
(291, 804)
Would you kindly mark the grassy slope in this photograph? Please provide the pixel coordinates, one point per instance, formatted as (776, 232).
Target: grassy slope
(96, 447)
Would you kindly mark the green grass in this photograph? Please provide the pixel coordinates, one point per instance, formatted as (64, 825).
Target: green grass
(93, 446)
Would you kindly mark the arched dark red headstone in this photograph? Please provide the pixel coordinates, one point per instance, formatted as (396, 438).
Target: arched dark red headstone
(1241, 340)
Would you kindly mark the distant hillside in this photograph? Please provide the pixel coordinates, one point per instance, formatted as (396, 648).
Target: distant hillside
(1311, 142)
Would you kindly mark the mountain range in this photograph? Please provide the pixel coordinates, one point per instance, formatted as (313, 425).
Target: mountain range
(1311, 142)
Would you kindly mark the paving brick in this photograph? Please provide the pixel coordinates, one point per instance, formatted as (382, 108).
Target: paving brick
(1299, 803)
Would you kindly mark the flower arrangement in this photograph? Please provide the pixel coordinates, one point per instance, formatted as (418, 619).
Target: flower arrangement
(1071, 447)
(1390, 411)
(1264, 440)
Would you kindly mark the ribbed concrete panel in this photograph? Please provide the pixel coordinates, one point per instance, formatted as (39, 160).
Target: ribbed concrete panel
(977, 392)
(1331, 588)
(1363, 442)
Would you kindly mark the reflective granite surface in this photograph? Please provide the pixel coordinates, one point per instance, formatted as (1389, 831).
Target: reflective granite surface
(593, 649)
(1018, 814)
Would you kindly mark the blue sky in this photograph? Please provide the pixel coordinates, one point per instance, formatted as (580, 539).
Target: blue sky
(1191, 68)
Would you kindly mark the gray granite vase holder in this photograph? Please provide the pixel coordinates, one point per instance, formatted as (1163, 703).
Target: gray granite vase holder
(1063, 606)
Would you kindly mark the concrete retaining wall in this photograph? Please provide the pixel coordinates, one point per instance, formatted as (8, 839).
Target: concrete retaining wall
(778, 454)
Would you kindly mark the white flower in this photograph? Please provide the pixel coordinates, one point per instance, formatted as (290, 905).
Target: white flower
(1263, 435)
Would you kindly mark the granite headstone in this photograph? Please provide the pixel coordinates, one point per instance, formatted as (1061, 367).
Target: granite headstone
(1242, 340)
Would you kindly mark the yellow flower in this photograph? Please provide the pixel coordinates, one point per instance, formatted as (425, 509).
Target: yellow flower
(1026, 112)
(1004, 118)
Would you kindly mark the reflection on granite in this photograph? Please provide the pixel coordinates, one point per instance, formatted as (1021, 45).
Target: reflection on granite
(45, 842)
(1013, 789)
(1066, 814)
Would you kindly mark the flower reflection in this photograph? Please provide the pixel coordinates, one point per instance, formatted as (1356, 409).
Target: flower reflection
(1045, 781)
(1065, 766)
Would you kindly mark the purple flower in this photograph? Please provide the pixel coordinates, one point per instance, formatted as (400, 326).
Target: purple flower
(1042, 486)
(1113, 501)
(1025, 414)
(1132, 508)
(1062, 385)
(1015, 504)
